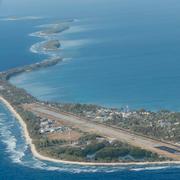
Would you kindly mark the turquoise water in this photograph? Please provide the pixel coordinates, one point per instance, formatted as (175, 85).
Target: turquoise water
(126, 55)
(117, 53)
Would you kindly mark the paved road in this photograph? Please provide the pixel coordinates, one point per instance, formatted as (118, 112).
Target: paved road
(162, 148)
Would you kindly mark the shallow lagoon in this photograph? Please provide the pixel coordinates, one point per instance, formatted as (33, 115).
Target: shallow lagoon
(114, 61)
(128, 53)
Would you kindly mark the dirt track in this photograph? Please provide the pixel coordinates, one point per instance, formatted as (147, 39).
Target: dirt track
(111, 132)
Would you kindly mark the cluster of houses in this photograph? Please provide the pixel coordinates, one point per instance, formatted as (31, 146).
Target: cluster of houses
(49, 126)
(104, 114)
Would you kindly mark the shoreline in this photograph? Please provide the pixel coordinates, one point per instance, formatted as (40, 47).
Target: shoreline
(5, 76)
(36, 154)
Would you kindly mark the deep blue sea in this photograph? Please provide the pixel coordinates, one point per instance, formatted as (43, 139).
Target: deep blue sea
(120, 53)
(116, 53)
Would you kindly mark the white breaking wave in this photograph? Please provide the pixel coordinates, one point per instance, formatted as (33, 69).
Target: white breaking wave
(15, 153)
(65, 43)
(17, 150)
(38, 48)
(151, 168)
(34, 48)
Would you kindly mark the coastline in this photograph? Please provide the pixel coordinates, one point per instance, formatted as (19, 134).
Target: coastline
(5, 76)
(46, 158)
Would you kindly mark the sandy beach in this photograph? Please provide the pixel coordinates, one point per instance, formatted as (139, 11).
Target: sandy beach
(45, 158)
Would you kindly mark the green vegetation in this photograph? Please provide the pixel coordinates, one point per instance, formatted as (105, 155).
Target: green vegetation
(97, 151)
(91, 147)
(32, 122)
(164, 125)
(55, 29)
(51, 45)
(45, 142)
(79, 109)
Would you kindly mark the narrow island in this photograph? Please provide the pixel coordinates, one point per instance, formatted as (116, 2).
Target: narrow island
(89, 134)
(51, 45)
(52, 29)
(16, 18)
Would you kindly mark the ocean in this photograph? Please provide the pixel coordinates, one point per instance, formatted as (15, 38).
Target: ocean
(126, 55)
(115, 54)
